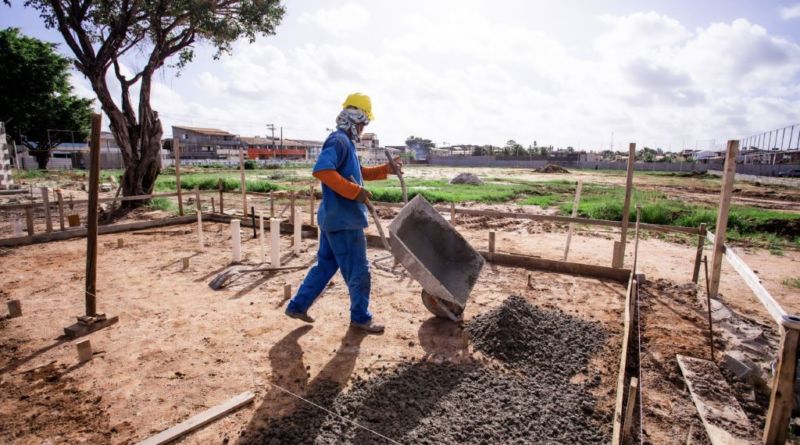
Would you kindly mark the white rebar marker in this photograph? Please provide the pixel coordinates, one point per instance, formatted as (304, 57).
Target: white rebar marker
(261, 241)
(236, 241)
(200, 229)
(275, 241)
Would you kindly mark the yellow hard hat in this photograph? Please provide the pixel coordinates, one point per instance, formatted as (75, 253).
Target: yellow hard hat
(360, 101)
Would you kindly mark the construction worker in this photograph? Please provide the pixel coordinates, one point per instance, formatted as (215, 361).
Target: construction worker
(342, 217)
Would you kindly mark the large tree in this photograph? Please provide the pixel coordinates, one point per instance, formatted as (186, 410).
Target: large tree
(39, 108)
(101, 33)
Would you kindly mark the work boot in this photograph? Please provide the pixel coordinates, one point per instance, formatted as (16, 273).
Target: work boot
(299, 315)
(370, 326)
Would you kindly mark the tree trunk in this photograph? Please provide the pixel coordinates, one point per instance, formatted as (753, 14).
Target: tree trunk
(42, 157)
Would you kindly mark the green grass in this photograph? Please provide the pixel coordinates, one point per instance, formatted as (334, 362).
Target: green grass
(792, 282)
(442, 191)
(28, 174)
(162, 204)
(210, 181)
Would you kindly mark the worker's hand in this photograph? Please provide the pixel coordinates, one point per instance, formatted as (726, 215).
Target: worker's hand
(399, 163)
(363, 195)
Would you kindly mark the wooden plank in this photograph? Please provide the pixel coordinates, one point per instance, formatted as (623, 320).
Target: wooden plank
(619, 257)
(29, 220)
(753, 282)
(586, 270)
(722, 216)
(633, 388)
(80, 232)
(61, 224)
(176, 152)
(48, 220)
(554, 218)
(782, 395)
(199, 420)
(575, 205)
(699, 255)
(91, 220)
(242, 183)
(724, 420)
(627, 320)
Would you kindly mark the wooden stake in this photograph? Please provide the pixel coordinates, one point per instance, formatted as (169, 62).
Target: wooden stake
(185, 263)
(619, 257)
(213, 208)
(452, 214)
(197, 205)
(243, 184)
(271, 205)
(14, 309)
(221, 190)
(311, 207)
(722, 215)
(120, 243)
(491, 244)
(236, 241)
(701, 239)
(297, 242)
(628, 421)
(575, 205)
(91, 226)
(48, 222)
(176, 152)
(29, 220)
(84, 351)
(60, 209)
(782, 398)
(291, 208)
(287, 291)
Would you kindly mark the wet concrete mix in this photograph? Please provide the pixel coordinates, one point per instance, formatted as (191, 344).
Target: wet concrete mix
(521, 394)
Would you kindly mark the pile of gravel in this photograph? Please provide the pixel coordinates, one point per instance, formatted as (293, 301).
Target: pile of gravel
(526, 399)
(551, 168)
(466, 178)
(534, 339)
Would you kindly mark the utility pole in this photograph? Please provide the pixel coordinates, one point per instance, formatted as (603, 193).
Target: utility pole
(272, 139)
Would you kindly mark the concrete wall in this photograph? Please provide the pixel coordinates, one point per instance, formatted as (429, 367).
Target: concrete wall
(767, 180)
(491, 161)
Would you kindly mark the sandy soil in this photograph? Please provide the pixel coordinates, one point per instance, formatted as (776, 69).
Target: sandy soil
(181, 347)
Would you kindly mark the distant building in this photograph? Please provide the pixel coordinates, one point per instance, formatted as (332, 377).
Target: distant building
(205, 143)
(268, 148)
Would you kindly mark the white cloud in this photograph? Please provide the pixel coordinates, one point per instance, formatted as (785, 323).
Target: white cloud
(465, 78)
(337, 20)
(790, 12)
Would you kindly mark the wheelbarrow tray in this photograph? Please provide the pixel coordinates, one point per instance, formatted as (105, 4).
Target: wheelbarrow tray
(434, 253)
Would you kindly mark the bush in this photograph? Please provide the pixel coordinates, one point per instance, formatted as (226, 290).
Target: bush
(250, 164)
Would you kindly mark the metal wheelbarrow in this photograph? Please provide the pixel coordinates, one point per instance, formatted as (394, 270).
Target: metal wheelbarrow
(435, 255)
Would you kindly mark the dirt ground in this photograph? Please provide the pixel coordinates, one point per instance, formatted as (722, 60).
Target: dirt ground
(181, 347)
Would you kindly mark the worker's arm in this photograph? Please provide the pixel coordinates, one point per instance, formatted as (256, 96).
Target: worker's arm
(375, 173)
(338, 184)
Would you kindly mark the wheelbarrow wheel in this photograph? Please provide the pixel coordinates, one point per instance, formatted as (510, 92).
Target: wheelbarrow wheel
(442, 308)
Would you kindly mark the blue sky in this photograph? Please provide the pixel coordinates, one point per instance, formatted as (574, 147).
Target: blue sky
(659, 73)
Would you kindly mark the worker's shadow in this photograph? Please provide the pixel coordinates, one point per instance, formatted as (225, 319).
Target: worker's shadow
(284, 412)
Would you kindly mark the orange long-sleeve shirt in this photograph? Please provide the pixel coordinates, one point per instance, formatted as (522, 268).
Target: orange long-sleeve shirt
(346, 188)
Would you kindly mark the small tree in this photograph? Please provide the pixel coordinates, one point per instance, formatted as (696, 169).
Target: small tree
(37, 97)
(100, 33)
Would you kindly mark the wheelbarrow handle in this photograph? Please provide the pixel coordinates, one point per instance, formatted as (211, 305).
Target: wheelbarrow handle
(374, 213)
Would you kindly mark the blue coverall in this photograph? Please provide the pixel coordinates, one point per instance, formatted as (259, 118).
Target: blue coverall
(342, 245)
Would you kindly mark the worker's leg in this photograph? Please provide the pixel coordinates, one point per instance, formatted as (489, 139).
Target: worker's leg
(350, 249)
(316, 279)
